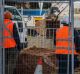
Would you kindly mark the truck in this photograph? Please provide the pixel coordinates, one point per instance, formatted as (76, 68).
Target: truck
(21, 26)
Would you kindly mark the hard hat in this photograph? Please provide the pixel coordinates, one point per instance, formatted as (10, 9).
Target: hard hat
(65, 20)
(7, 15)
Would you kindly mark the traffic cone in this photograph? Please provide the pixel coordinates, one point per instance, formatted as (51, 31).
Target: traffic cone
(38, 69)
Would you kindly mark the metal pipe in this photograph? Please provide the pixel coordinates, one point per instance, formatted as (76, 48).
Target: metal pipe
(3, 71)
(69, 37)
(1, 38)
(72, 29)
(49, 1)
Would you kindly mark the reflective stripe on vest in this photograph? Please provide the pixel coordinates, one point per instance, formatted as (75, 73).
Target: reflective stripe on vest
(5, 27)
(9, 41)
(62, 36)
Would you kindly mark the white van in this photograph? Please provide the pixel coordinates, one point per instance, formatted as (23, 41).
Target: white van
(18, 20)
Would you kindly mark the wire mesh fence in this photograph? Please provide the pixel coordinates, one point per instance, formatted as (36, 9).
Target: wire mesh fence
(39, 34)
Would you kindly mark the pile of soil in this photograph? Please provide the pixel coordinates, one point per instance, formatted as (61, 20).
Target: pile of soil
(27, 61)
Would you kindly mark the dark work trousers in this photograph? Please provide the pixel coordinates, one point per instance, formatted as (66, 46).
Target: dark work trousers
(10, 60)
(63, 63)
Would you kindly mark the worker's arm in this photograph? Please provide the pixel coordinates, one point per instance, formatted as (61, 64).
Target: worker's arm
(16, 36)
(77, 40)
(54, 37)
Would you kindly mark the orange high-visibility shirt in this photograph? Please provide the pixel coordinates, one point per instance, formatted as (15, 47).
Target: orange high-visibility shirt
(8, 41)
(62, 36)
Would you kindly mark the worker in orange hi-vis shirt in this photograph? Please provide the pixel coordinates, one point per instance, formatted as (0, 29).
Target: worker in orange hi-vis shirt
(11, 42)
(64, 47)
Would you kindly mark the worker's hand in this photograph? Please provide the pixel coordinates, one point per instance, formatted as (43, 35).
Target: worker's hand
(21, 46)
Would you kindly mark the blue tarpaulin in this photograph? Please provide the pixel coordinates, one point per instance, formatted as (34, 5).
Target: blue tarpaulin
(33, 12)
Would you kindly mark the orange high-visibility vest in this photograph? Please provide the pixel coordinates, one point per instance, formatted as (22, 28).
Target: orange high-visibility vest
(8, 41)
(63, 33)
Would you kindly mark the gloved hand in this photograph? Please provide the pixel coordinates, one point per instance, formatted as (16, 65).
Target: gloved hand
(22, 46)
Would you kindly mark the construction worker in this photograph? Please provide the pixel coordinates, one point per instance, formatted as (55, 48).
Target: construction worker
(63, 47)
(11, 42)
(52, 23)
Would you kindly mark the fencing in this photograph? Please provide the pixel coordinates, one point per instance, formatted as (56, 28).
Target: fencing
(44, 40)
(41, 38)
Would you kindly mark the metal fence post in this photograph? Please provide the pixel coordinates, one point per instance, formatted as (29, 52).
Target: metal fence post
(72, 28)
(1, 36)
(69, 43)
